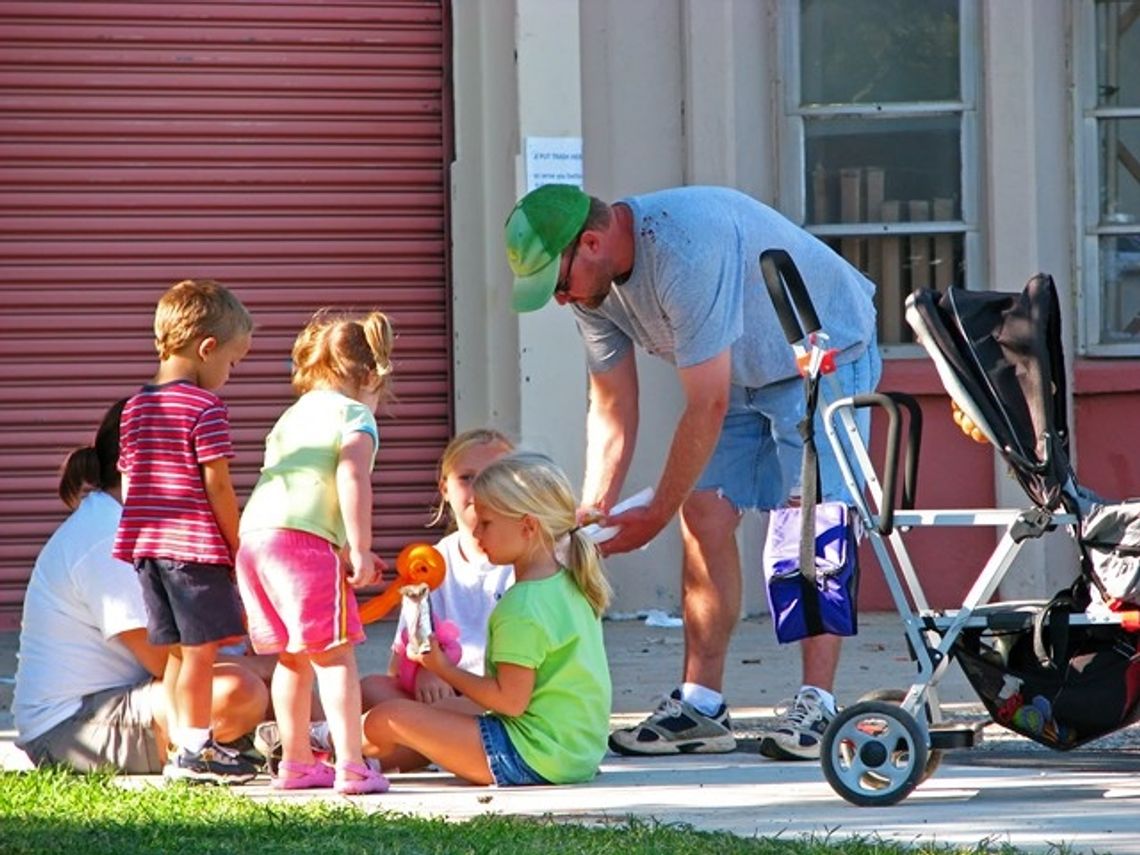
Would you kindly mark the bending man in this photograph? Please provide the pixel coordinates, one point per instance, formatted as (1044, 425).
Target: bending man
(677, 273)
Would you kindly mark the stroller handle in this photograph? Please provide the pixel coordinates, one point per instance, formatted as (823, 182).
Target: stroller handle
(890, 403)
(789, 295)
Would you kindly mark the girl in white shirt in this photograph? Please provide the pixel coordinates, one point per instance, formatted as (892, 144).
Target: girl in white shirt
(470, 589)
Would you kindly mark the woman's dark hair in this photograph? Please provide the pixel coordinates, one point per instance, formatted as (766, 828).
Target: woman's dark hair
(94, 466)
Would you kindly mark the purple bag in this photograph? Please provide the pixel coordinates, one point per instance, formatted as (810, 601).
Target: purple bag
(802, 606)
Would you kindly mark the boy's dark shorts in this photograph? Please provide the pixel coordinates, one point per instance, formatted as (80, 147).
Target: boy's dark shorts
(188, 603)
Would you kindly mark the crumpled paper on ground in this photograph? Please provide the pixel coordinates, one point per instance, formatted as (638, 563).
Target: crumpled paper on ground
(652, 617)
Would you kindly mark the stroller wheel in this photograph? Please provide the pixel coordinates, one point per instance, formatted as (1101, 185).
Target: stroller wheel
(874, 754)
(896, 696)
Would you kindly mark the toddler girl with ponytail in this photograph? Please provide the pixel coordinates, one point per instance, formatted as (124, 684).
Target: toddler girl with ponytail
(306, 541)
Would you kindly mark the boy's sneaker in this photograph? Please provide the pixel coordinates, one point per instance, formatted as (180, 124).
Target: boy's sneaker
(800, 732)
(213, 764)
(677, 727)
(243, 746)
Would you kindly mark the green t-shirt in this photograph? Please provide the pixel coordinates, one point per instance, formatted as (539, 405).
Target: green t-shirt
(297, 487)
(549, 626)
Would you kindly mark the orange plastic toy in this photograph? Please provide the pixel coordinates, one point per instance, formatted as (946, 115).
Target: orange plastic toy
(417, 563)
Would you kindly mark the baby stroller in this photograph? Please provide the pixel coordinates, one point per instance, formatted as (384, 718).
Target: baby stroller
(1061, 672)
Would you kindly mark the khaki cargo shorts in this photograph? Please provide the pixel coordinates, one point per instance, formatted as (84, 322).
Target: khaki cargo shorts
(112, 729)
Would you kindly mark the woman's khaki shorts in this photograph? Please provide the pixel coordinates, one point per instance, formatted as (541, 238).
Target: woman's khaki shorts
(112, 729)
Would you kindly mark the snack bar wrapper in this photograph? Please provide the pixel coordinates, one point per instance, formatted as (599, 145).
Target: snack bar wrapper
(600, 534)
(415, 609)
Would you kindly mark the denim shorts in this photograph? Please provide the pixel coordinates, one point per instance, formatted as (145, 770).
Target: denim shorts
(507, 766)
(759, 456)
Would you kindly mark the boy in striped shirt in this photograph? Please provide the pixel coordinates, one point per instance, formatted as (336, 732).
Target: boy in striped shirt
(180, 515)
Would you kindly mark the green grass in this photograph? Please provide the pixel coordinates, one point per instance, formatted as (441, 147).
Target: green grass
(62, 814)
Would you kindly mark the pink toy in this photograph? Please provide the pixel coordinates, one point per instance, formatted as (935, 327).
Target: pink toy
(448, 634)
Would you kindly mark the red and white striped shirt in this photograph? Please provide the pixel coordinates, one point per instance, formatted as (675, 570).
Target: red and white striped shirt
(166, 433)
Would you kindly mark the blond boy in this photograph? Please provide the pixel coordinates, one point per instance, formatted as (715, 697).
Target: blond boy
(180, 514)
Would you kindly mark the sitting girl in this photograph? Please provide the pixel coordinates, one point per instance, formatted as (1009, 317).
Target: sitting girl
(472, 585)
(542, 709)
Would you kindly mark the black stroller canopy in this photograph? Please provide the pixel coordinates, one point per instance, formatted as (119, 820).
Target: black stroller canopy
(1001, 359)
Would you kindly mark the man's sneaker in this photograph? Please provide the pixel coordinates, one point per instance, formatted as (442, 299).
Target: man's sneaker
(799, 734)
(213, 764)
(267, 740)
(676, 727)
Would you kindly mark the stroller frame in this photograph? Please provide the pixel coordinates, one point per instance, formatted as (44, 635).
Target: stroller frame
(876, 751)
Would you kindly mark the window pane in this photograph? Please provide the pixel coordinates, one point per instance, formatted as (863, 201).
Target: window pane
(1120, 293)
(874, 170)
(898, 264)
(1118, 53)
(1120, 170)
(878, 51)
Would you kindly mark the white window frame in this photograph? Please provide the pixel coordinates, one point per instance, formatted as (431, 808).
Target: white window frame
(793, 172)
(1089, 232)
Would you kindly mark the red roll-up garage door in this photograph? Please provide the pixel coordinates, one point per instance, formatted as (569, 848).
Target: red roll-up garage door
(294, 151)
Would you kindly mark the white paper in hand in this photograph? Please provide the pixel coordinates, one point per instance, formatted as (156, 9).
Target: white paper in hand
(598, 534)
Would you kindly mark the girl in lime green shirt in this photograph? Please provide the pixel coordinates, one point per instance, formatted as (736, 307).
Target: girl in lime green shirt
(546, 691)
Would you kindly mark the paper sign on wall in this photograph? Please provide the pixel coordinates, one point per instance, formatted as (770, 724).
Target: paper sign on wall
(553, 160)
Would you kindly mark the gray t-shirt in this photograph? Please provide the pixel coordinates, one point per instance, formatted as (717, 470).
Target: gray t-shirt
(696, 288)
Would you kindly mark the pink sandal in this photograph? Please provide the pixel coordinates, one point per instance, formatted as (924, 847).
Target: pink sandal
(292, 775)
(368, 780)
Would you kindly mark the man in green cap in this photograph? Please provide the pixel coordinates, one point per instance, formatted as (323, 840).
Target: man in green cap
(677, 273)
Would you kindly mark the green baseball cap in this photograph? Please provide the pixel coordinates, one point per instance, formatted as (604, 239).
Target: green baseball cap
(543, 223)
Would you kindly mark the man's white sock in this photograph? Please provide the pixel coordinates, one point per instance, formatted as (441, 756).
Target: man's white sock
(825, 696)
(704, 699)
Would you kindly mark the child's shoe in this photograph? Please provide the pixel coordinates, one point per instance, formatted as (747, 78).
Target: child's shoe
(367, 780)
(267, 741)
(292, 775)
(211, 764)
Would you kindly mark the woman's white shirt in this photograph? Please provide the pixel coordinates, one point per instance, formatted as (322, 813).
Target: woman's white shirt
(79, 598)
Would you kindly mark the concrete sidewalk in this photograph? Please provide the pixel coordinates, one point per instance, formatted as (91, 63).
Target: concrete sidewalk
(645, 661)
(1006, 791)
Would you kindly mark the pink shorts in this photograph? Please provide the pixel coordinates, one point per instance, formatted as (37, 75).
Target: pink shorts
(295, 593)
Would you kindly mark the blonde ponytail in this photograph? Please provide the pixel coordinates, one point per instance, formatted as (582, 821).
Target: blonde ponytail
(585, 566)
(336, 348)
(381, 339)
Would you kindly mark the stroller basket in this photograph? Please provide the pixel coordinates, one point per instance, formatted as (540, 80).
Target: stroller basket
(1062, 699)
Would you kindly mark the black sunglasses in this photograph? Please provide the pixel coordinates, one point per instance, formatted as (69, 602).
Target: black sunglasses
(563, 284)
